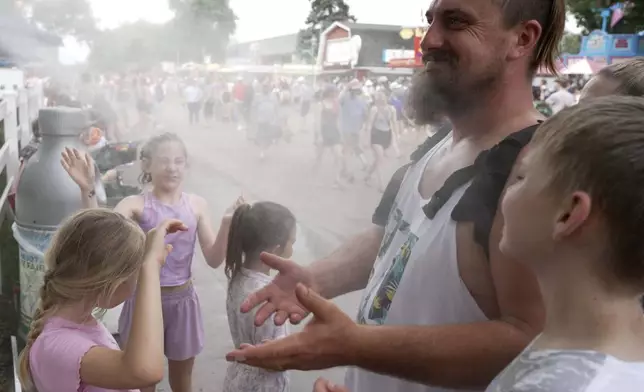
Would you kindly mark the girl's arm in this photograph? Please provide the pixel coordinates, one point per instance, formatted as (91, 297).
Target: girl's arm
(141, 363)
(213, 244)
(81, 169)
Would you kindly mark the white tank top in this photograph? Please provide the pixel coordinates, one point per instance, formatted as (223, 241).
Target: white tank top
(415, 279)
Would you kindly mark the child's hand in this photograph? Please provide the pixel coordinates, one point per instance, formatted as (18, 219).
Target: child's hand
(228, 215)
(80, 167)
(322, 385)
(156, 249)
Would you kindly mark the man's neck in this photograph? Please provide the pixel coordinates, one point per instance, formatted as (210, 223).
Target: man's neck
(497, 115)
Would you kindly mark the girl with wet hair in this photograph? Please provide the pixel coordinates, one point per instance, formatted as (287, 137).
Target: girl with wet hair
(97, 259)
(625, 78)
(164, 164)
(260, 227)
(574, 216)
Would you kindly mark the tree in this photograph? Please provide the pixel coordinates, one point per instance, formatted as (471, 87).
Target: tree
(570, 43)
(202, 27)
(199, 28)
(62, 17)
(138, 45)
(323, 13)
(588, 15)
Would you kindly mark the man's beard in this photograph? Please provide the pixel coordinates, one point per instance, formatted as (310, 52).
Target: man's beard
(426, 104)
(433, 96)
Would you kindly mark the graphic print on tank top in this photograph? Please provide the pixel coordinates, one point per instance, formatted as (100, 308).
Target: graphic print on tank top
(386, 290)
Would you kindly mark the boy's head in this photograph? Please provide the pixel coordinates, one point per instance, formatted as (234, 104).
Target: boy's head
(578, 193)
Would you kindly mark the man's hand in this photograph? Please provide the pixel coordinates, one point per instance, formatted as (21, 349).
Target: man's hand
(322, 385)
(322, 344)
(279, 296)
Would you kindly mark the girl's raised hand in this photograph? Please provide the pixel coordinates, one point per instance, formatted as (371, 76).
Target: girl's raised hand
(156, 248)
(80, 167)
(231, 210)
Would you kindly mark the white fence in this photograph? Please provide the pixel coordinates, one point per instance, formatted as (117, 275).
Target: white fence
(18, 111)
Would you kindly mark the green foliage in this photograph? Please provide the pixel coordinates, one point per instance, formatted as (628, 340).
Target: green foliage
(138, 45)
(323, 13)
(63, 17)
(202, 27)
(199, 28)
(570, 43)
(588, 16)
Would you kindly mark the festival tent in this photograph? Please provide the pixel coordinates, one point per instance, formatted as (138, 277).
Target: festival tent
(583, 67)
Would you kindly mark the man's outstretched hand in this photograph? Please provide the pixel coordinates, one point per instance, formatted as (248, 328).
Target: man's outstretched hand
(323, 343)
(279, 296)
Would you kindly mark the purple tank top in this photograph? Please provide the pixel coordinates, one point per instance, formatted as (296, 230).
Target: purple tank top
(178, 266)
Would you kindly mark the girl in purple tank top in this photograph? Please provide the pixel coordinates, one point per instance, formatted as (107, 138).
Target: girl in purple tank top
(96, 260)
(164, 163)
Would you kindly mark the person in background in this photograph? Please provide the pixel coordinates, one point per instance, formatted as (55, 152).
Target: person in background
(574, 216)
(353, 116)
(266, 106)
(382, 126)
(159, 91)
(543, 90)
(254, 228)
(209, 100)
(327, 134)
(562, 98)
(97, 258)
(539, 104)
(625, 78)
(193, 96)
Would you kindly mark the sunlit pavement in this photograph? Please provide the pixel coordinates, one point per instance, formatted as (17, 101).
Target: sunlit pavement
(223, 164)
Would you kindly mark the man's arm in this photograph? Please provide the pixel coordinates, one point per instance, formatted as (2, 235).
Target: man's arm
(460, 356)
(348, 268)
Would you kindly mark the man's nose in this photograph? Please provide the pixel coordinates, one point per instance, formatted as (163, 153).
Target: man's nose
(433, 38)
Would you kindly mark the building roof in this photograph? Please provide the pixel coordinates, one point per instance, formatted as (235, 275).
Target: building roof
(376, 27)
(279, 45)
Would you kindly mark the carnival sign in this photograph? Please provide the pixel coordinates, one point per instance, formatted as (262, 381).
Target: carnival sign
(338, 52)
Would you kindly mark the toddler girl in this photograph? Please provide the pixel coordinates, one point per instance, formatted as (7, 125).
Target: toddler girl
(261, 227)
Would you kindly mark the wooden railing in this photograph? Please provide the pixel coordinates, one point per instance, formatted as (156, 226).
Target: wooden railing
(18, 112)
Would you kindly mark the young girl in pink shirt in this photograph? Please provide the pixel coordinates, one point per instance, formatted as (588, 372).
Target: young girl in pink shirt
(96, 260)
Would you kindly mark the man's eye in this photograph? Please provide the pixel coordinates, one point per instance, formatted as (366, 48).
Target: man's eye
(455, 23)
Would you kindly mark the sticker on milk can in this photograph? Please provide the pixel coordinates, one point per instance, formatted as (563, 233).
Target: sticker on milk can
(33, 244)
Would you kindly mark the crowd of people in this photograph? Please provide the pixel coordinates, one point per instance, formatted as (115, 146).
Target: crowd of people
(489, 266)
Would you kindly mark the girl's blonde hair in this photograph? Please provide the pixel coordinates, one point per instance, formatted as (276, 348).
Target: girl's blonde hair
(93, 253)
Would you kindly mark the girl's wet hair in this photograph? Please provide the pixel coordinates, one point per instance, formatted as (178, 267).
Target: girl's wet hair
(150, 148)
(629, 76)
(91, 255)
(256, 229)
(597, 147)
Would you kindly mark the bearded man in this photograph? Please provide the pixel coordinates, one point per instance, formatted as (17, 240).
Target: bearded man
(442, 309)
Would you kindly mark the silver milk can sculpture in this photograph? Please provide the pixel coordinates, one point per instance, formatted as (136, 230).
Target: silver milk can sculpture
(45, 196)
